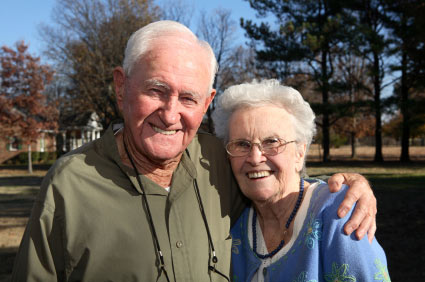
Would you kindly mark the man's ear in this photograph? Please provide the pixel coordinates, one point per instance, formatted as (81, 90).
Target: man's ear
(119, 86)
(209, 100)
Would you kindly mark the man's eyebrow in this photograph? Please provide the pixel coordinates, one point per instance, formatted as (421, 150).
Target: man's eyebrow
(158, 83)
(191, 93)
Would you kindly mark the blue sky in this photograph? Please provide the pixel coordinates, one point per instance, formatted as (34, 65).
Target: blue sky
(19, 19)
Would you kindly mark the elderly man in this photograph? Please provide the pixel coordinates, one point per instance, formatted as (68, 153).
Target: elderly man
(151, 200)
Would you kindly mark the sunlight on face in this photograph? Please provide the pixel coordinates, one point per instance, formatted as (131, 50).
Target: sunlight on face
(266, 178)
(166, 96)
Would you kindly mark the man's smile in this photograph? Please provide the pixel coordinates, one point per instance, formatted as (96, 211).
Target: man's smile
(164, 132)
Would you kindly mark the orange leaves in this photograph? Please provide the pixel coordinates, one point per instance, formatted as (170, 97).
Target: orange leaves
(24, 107)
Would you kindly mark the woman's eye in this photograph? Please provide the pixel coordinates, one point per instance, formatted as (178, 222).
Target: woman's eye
(243, 144)
(270, 142)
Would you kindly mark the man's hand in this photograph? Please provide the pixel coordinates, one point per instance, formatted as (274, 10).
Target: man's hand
(363, 219)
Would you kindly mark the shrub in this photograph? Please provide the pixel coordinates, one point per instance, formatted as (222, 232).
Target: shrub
(338, 140)
(36, 158)
(44, 156)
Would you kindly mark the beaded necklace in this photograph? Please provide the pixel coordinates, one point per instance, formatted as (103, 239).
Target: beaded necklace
(291, 217)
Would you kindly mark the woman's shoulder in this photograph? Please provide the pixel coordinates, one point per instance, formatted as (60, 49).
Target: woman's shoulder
(325, 202)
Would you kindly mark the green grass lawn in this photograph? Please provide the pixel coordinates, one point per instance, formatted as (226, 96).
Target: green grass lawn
(400, 191)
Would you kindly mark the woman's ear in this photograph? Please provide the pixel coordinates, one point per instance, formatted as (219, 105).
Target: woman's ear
(300, 156)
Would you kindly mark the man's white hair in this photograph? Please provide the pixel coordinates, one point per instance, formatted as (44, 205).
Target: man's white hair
(140, 43)
(265, 93)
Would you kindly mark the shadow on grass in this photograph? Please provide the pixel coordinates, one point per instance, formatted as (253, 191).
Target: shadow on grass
(17, 195)
(7, 257)
(16, 208)
(401, 224)
(360, 163)
(20, 180)
(24, 168)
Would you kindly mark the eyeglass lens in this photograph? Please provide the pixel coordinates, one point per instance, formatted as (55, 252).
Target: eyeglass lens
(269, 146)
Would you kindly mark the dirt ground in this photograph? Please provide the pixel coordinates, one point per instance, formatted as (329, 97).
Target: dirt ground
(365, 153)
(18, 191)
(17, 195)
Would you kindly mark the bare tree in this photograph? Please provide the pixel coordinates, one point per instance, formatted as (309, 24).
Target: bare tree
(86, 42)
(177, 10)
(241, 66)
(218, 29)
(354, 99)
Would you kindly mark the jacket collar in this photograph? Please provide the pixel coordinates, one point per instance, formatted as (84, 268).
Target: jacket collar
(182, 177)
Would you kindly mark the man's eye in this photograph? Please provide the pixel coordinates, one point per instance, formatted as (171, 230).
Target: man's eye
(188, 99)
(156, 90)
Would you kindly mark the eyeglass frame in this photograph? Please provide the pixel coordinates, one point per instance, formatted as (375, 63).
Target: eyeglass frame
(282, 142)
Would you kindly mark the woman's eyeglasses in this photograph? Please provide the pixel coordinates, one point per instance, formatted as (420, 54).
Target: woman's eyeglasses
(269, 146)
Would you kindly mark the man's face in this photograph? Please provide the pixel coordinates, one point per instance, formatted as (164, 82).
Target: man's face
(165, 97)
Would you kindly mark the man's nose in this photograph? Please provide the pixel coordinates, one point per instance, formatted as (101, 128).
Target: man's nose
(169, 113)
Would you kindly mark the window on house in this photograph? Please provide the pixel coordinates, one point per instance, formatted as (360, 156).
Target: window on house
(14, 144)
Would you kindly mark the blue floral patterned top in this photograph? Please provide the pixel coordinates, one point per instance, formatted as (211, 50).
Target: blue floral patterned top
(320, 252)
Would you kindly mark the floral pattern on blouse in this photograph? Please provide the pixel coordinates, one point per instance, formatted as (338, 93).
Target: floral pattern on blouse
(313, 232)
(235, 244)
(339, 274)
(382, 274)
(303, 278)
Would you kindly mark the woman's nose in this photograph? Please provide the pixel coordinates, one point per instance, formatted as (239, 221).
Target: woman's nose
(255, 155)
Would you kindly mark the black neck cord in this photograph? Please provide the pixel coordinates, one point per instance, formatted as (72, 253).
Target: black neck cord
(201, 208)
(156, 241)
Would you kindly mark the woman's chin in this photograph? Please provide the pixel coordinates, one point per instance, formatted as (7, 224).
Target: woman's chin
(262, 198)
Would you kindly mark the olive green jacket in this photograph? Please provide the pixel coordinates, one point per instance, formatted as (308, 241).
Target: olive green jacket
(89, 223)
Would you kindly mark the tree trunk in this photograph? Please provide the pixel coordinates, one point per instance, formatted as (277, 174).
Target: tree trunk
(353, 145)
(325, 98)
(29, 159)
(404, 111)
(378, 123)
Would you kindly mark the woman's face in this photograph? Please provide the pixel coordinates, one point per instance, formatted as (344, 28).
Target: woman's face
(266, 178)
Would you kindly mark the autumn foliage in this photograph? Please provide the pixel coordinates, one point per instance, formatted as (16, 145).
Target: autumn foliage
(25, 110)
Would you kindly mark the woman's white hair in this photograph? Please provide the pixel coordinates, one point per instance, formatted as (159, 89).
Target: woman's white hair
(264, 93)
(140, 43)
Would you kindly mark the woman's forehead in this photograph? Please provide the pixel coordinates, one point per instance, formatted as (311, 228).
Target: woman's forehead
(261, 122)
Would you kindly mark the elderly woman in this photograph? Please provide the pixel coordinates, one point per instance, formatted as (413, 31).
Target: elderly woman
(291, 231)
